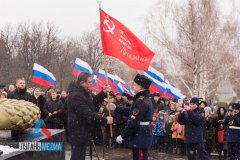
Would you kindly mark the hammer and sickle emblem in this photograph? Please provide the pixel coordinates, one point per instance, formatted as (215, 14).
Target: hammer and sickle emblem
(110, 26)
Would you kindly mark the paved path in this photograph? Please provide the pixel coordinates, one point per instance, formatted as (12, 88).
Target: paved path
(125, 154)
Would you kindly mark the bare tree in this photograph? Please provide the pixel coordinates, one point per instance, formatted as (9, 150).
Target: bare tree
(8, 40)
(195, 43)
(90, 49)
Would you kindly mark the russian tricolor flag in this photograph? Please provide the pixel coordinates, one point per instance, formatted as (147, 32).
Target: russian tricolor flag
(155, 74)
(175, 92)
(118, 79)
(156, 86)
(42, 76)
(102, 77)
(96, 84)
(127, 89)
(81, 66)
(119, 87)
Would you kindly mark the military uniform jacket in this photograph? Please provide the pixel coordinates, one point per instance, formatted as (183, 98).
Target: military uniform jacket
(139, 136)
(233, 131)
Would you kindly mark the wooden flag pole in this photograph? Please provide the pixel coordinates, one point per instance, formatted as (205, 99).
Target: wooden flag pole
(108, 97)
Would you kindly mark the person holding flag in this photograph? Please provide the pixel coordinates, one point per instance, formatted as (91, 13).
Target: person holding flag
(138, 130)
(119, 42)
(81, 114)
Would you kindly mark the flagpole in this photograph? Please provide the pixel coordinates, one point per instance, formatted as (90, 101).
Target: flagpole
(106, 74)
(108, 97)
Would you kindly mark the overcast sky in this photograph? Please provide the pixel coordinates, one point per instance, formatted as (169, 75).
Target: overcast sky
(74, 16)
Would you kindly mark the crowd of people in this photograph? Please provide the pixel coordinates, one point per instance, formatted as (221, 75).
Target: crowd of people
(188, 126)
(169, 129)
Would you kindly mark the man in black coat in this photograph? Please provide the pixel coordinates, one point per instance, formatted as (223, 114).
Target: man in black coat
(52, 110)
(192, 118)
(20, 93)
(81, 114)
(138, 131)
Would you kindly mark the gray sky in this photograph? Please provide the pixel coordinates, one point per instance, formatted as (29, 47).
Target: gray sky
(74, 16)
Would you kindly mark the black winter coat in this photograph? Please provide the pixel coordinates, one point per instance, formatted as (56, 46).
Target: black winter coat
(40, 102)
(20, 94)
(81, 114)
(193, 121)
(52, 106)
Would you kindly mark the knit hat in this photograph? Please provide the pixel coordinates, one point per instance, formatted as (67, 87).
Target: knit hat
(2, 86)
(236, 106)
(143, 81)
(195, 101)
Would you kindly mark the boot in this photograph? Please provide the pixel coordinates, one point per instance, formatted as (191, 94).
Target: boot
(174, 150)
(178, 151)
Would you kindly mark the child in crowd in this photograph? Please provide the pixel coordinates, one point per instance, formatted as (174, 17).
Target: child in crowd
(177, 136)
(155, 137)
(168, 132)
(159, 131)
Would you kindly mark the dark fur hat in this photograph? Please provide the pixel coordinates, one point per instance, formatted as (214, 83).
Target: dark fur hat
(143, 81)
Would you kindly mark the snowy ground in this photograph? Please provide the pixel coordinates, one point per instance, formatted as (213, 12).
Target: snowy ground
(7, 149)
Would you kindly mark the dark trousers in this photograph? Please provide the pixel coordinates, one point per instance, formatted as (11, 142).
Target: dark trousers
(220, 148)
(140, 154)
(178, 146)
(209, 146)
(233, 151)
(194, 148)
(78, 152)
(158, 142)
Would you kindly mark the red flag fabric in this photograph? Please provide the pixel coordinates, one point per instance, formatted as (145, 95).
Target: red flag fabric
(119, 42)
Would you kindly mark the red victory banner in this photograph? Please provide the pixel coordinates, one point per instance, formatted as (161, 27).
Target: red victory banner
(119, 42)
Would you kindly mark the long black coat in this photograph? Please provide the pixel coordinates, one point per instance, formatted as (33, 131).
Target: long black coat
(139, 136)
(40, 102)
(193, 121)
(81, 114)
(53, 122)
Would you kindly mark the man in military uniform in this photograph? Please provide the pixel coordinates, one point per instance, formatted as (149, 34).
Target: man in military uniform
(138, 130)
(233, 132)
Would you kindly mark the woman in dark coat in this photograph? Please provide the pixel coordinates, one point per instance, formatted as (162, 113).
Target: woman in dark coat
(220, 128)
(52, 109)
(39, 100)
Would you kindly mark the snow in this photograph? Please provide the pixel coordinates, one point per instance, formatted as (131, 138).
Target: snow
(7, 149)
